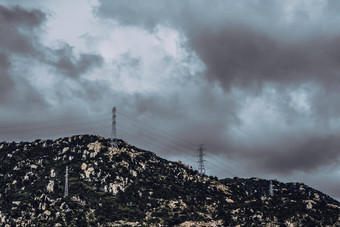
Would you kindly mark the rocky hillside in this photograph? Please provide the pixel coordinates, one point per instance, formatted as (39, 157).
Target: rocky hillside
(130, 186)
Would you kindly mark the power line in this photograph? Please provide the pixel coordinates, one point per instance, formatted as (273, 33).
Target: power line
(42, 122)
(155, 137)
(155, 144)
(229, 164)
(159, 131)
(185, 144)
(150, 139)
(79, 122)
(150, 135)
(56, 132)
(219, 169)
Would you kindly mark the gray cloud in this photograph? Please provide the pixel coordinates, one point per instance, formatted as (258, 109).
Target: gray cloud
(18, 35)
(250, 45)
(65, 63)
(306, 153)
(239, 42)
(6, 83)
(18, 29)
(21, 47)
(242, 57)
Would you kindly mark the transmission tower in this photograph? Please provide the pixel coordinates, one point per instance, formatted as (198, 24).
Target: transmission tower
(271, 189)
(113, 132)
(201, 168)
(66, 182)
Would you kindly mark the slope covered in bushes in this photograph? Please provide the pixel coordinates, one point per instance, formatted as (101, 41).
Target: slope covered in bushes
(135, 187)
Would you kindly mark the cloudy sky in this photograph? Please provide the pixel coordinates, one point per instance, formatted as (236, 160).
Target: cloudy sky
(256, 81)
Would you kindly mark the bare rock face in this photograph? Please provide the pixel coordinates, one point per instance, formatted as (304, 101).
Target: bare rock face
(50, 186)
(52, 173)
(83, 166)
(127, 186)
(229, 200)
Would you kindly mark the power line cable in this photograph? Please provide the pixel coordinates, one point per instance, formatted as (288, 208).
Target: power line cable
(64, 119)
(150, 135)
(183, 140)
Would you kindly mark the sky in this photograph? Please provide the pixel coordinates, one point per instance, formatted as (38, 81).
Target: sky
(255, 81)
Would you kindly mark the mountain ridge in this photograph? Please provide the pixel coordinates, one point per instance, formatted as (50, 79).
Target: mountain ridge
(131, 186)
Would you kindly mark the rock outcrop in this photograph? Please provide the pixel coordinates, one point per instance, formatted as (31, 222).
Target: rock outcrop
(130, 186)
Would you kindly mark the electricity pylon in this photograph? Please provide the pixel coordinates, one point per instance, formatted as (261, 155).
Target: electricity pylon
(114, 143)
(66, 182)
(201, 168)
(271, 189)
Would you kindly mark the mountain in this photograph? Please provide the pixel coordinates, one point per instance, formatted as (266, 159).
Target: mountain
(131, 186)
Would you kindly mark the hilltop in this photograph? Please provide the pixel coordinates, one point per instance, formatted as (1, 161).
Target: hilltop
(131, 186)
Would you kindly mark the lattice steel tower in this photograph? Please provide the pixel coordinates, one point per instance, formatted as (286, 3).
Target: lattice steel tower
(66, 182)
(271, 189)
(201, 168)
(114, 142)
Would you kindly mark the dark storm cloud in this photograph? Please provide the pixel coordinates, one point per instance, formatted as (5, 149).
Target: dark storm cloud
(235, 50)
(300, 153)
(248, 45)
(243, 57)
(65, 62)
(6, 83)
(20, 31)
(18, 35)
